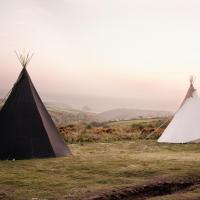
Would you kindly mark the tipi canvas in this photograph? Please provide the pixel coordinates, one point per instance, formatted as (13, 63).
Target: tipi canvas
(26, 128)
(185, 126)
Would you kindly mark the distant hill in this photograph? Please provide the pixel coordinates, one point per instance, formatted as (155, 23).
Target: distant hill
(63, 114)
(127, 114)
(63, 118)
(1, 103)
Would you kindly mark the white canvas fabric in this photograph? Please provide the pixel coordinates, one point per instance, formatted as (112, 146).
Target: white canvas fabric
(185, 126)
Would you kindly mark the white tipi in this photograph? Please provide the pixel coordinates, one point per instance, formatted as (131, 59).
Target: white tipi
(185, 125)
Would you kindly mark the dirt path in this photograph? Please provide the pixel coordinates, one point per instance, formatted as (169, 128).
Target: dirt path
(146, 191)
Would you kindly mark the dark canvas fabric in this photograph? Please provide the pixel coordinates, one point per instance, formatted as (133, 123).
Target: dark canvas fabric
(26, 128)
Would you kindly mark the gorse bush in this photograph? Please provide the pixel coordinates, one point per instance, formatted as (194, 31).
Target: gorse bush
(112, 131)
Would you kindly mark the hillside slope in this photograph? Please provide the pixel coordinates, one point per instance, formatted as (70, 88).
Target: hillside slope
(127, 114)
(63, 114)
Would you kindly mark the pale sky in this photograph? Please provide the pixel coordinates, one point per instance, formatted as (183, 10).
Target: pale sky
(121, 53)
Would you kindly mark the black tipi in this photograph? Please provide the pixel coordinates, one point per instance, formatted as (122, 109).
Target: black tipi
(26, 128)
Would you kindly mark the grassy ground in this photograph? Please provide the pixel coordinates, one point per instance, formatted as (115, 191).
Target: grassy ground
(96, 167)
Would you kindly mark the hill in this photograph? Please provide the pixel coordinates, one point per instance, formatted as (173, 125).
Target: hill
(1, 103)
(127, 114)
(64, 114)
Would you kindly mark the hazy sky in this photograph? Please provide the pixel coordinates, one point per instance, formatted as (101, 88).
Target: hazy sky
(134, 53)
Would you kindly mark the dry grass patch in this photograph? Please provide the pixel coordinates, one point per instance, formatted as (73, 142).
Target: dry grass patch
(96, 167)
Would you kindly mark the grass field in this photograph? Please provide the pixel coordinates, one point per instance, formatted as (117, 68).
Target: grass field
(96, 167)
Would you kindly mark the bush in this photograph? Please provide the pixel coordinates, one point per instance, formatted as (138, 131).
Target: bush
(88, 126)
(137, 126)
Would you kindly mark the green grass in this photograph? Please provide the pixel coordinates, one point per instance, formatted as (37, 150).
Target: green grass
(96, 167)
(126, 123)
